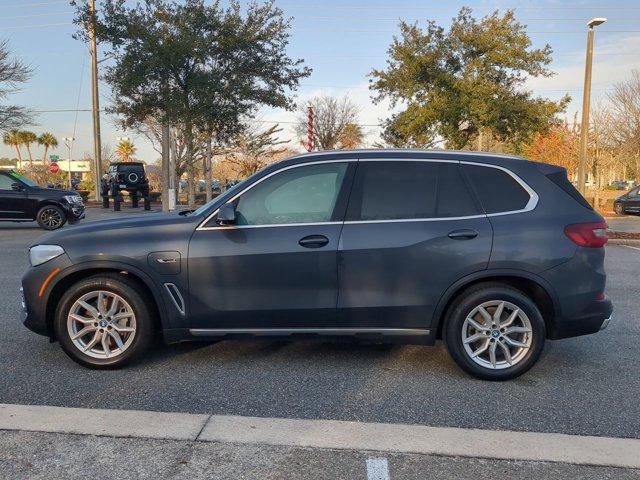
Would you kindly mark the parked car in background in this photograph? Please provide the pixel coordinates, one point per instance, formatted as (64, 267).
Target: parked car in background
(628, 203)
(492, 254)
(215, 186)
(22, 200)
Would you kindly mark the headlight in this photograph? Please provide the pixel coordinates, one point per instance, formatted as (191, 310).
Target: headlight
(73, 198)
(43, 253)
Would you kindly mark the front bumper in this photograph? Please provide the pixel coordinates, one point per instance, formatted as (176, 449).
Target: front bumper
(74, 212)
(595, 317)
(37, 284)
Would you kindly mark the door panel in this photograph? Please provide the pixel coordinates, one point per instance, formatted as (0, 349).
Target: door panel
(277, 267)
(412, 229)
(14, 204)
(393, 274)
(263, 278)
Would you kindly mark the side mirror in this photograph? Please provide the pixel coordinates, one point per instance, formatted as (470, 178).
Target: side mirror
(227, 214)
(18, 187)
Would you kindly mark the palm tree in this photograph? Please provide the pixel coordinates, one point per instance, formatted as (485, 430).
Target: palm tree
(49, 141)
(12, 138)
(27, 138)
(126, 151)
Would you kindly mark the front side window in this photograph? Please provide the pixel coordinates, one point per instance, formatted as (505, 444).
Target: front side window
(306, 194)
(404, 190)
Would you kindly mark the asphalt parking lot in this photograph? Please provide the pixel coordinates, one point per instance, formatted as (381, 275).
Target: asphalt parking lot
(587, 386)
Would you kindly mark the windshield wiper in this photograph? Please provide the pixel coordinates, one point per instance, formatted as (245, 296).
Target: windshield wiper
(184, 213)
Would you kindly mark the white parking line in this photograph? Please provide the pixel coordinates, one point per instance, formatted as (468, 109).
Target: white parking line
(629, 246)
(358, 436)
(377, 469)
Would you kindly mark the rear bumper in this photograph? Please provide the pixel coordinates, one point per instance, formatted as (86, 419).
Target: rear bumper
(595, 317)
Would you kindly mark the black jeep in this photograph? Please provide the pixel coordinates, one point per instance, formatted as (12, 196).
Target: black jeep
(129, 176)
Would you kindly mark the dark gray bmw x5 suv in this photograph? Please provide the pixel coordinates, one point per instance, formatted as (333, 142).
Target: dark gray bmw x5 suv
(492, 254)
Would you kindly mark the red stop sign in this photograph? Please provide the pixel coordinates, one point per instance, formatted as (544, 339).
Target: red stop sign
(54, 168)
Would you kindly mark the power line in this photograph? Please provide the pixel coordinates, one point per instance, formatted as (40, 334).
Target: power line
(34, 16)
(40, 4)
(15, 27)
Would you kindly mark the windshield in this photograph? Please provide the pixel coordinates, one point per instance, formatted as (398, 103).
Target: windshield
(223, 197)
(23, 179)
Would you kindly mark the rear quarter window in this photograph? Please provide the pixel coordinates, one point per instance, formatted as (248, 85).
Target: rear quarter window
(498, 191)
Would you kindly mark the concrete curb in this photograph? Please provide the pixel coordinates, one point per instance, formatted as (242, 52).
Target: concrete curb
(530, 446)
(111, 423)
(629, 242)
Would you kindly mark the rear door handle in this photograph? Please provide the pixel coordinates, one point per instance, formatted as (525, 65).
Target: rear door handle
(464, 234)
(313, 241)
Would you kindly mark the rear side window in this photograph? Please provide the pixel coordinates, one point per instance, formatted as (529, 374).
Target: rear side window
(397, 190)
(498, 191)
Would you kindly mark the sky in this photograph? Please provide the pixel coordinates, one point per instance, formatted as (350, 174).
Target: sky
(342, 41)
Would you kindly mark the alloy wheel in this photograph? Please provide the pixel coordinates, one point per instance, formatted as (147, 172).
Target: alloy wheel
(101, 324)
(51, 218)
(497, 334)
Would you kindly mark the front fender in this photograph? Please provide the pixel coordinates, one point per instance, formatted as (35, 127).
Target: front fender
(119, 264)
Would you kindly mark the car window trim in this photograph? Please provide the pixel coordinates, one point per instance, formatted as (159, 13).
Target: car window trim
(203, 226)
(531, 204)
(533, 196)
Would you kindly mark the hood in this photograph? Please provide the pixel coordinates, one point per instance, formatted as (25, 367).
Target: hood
(133, 225)
(54, 191)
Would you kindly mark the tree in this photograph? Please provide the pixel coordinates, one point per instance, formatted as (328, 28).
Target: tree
(625, 106)
(12, 138)
(458, 82)
(199, 67)
(126, 151)
(558, 146)
(331, 116)
(12, 73)
(351, 136)
(254, 149)
(48, 141)
(27, 138)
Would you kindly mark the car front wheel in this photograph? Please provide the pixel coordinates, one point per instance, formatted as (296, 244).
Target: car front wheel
(494, 332)
(51, 217)
(103, 322)
(619, 209)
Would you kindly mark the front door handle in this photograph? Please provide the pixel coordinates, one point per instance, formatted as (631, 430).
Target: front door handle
(313, 241)
(464, 234)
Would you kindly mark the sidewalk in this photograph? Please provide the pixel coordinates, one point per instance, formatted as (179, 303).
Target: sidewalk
(51, 442)
(35, 456)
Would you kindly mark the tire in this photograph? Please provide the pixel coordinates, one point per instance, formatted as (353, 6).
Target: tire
(466, 309)
(619, 209)
(135, 332)
(51, 217)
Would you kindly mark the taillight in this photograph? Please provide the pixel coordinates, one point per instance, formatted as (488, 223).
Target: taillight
(593, 235)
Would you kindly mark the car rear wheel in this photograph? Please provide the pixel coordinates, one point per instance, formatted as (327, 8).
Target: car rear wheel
(494, 332)
(103, 322)
(51, 217)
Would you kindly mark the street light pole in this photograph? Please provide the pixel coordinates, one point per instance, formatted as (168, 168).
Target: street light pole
(586, 100)
(68, 141)
(97, 149)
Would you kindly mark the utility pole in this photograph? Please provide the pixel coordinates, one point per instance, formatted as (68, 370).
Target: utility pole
(586, 100)
(97, 150)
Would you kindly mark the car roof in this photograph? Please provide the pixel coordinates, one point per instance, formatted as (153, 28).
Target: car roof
(125, 163)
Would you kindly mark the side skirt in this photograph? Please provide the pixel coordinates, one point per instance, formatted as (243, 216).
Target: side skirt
(412, 336)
